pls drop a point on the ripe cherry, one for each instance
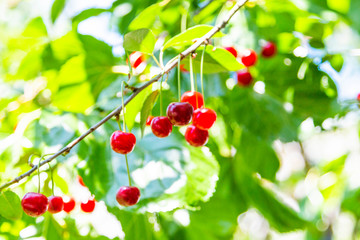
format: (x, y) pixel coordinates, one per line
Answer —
(136, 58)
(358, 97)
(268, 50)
(128, 196)
(204, 118)
(179, 113)
(148, 120)
(69, 204)
(122, 142)
(34, 204)
(232, 50)
(195, 136)
(248, 57)
(81, 181)
(244, 78)
(161, 127)
(191, 97)
(182, 68)
(89, 206)
(56, 204)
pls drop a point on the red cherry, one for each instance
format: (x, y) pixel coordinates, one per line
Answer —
(268, 50)
(179, 113)
(136, 58)
(192, 97)
(89, 206)
(148, 120)
(161, 127)
(244, 78)
(358, 97)
(204, 118)
(182, 68)
(34, 204)
(56, 204)
(80, 180)
(248, 57)
(195, 136)
(122, 142)
(128, 196)
(232, 50)
(69, 204)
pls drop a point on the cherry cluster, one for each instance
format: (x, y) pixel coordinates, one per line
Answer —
(248, 58)
(36, 204)
(189, 109)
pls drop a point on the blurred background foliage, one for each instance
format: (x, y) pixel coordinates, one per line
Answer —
(282, 160)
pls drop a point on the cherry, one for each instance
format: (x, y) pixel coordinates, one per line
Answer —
(191, 97)
(268, 50)
(69, 204)
(34, 204)
(148, 120)
(232, 50)
(81, 181)
(358, 97)
(248, 57)
(122, 142)
(128, 196)
(195, 136)
(89, 206)
(182, 68)
(179, 113)
(204, 118)
(56, 204)
(161, 127)
(244, 78)
(136, 58)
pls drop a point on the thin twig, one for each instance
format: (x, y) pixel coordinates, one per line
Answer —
(117, 111)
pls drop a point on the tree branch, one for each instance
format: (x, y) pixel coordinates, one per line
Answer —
(117, 111)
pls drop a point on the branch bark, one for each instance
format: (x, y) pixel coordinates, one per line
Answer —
(117, 111)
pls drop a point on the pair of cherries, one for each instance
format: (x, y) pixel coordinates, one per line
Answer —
(249, 58)
(181, 114)
(124, 143)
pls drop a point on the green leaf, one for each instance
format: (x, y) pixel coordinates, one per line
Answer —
(146, 18)
(56, 9)
(135, 106)
(215, 60)
(146, 109)
(92, 12)
(142, 40)
(52, 229)
(279, 215)
(187, 37)
(257, 155)
(10, 206)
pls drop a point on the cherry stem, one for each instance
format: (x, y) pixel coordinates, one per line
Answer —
(118, 121)
(156, 61)
(179, 86)
(123, 105)
(127, 168)
(52, 180)
(161, 102)
(196, 89)
(202, 73)
(129, 64)
(191, 72)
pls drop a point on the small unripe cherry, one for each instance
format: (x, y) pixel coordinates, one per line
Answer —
(204, 118)
(34, 204)
(195, 136)
(69, 204)
(232, 50)
(161, 127)
(196, 99)
(244, 78)
(88, 206)
(128, 196)
(248, 57)
(179, 113)
(56, 204)
(268, 50)
(122, 142)
(148, 120)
